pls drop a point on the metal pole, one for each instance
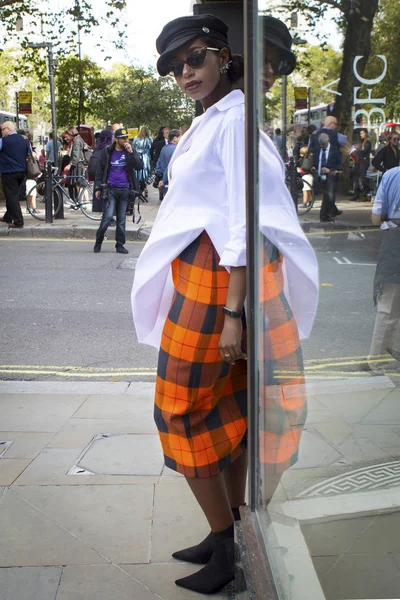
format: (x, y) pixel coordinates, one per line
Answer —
(284, 117)
(60, 214)
(48, 192)
(53, 101)
(17, 109)
(252, 216)
(309, 106)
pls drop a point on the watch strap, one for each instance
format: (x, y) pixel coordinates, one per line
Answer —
(232, 313)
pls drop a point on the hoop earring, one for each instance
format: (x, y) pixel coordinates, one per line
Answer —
(225, 68)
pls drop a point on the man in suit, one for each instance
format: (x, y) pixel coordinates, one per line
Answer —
(329, 128)
(13, 155)
(327, 163)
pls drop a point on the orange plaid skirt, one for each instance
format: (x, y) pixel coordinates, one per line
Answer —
(201, 401)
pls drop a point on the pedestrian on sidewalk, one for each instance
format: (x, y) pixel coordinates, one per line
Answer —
(142, 144)
(158, 144)
(50, 148)
(116, 179)
(387, 275)
(189, 292)
(363, 151)
(389, 156)
(327, 164)
(166, 154)
(13, 156)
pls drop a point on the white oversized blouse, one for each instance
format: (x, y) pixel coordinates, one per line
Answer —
(207, 192)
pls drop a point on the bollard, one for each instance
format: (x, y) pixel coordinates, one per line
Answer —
(48, 190)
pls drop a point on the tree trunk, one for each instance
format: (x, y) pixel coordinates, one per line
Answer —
(357, 42)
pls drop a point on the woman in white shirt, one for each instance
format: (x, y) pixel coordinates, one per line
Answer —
(190, 288)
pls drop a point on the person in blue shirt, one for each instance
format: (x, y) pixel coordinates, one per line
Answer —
(386, 210)
(50, 148)
(13, 155)
(164, 159)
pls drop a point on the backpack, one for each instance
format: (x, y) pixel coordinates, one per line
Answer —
(87, 154)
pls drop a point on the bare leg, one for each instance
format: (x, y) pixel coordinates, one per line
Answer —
(211, 494)
(235, 480)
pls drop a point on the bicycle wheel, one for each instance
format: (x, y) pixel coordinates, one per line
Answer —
(85, 200)
(38, 192)
(304, 209)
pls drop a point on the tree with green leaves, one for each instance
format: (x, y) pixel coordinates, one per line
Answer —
(81, 82)
(61, 27)
(140, 97)
(355, 18)
(315, 66)
(386, 42)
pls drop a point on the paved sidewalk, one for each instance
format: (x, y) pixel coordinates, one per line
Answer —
(87, 509)
(76, 225)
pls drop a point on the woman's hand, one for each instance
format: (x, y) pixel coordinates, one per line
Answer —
(230, 343)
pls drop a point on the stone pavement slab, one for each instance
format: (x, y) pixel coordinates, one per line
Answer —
(100, 583)
(115, 521)
(29, 538)
(178, 521)
(25, 444)
(29, 583)
(11, 469)
(35, 412)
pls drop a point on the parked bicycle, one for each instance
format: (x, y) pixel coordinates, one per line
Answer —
(60, 195)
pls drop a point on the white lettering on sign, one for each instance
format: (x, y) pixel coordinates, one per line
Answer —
(370, 81)
(369, 100)
(327, 87)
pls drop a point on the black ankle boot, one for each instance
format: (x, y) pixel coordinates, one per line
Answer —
(201, 553)
(220, 569)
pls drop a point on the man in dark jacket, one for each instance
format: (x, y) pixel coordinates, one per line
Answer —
(329, 128)
(327, 163)
(116, 179)
(13, 155)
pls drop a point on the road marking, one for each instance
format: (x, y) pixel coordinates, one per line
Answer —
(346, 261)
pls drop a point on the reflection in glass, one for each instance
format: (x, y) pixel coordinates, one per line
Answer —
(329, 406)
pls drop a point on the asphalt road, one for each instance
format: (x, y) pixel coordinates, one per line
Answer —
(66, 311)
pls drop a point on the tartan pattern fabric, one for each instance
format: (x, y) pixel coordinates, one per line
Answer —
(200, 401)
(283, 407)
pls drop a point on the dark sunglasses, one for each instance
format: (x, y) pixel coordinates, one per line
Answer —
(272, 56)
(194, 60)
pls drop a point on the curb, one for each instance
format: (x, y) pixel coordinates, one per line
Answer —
(63, 232)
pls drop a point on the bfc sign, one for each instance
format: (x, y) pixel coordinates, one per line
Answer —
(369, 100)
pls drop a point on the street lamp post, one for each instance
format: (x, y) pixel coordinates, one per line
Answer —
(49, 190)
(51, 64)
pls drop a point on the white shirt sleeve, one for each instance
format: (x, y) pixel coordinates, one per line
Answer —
(232, 154)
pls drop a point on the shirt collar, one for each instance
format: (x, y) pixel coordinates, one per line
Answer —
(234, 98)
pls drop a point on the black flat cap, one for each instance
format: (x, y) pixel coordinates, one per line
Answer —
(276, 33)
(180, 31)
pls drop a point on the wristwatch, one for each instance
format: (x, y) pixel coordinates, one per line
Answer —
(232, 313)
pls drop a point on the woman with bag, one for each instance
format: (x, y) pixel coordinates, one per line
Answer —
(363, 152)
(189, 292)
(304, 166)
(33, 171)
